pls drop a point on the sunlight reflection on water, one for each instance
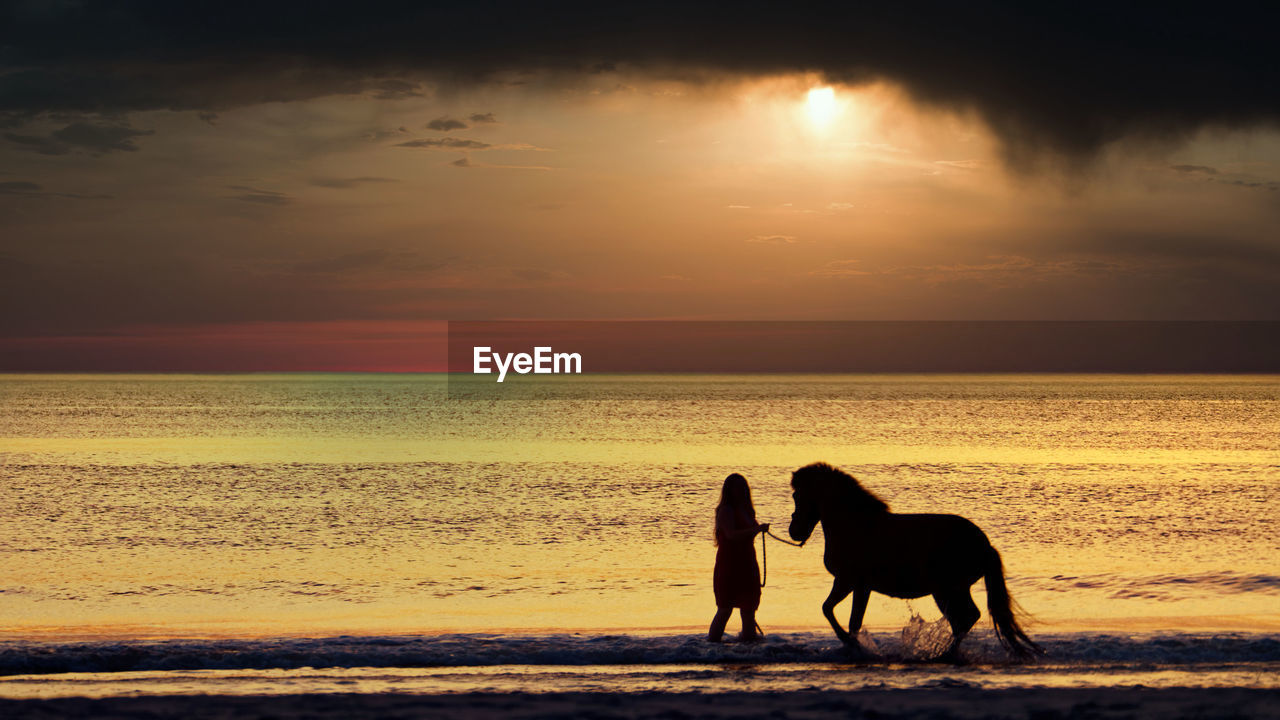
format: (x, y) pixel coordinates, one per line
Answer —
(262, 504)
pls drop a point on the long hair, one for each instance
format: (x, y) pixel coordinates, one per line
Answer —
(735, 496)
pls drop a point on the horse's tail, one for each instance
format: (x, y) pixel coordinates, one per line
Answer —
(1004, 609)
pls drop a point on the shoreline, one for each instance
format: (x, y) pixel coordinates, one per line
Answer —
(1235, 624)
(1065, 653)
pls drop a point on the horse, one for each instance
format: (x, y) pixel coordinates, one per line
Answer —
(869, 549)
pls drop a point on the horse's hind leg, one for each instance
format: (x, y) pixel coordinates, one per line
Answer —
(958, 607)
(839, 590)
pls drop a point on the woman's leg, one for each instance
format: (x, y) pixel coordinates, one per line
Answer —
(749, 624)
(718, 622)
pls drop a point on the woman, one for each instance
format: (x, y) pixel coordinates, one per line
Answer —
(737, 576)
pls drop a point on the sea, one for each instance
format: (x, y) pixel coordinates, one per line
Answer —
(284, 533)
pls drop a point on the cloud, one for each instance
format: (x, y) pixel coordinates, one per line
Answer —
(396, 89)
(1213, 175)
(12, 187)
(1262, 184)
(1048, 80)
(840, 268)
(879, 147)
(1190, 249)
(361, 261)
(520, 146)
(774, 239)
(261, 197)
(93, 138)
(483, 118)
(100, 138)
(538, 275)
(24, 188)
(959, 164)
(467, 162)
(994, 271)
(42, 145)
(997, 270)
(348, 183)
(375, 135)
(446, 144)
(445, 123)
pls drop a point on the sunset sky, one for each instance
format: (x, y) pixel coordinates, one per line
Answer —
(230, 186)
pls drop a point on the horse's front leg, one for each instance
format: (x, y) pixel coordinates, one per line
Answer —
(840, 589)
(861, 594)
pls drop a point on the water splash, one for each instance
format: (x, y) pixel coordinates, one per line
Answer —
(923, 640)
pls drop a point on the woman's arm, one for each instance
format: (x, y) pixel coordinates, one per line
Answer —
(724, 520)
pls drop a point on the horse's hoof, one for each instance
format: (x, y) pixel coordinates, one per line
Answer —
(857, 652)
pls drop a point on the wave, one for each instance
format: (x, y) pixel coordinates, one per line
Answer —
(464, 650)
(1162, 587)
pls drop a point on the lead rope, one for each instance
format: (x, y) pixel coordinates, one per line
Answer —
(764, 555)
(764, 552)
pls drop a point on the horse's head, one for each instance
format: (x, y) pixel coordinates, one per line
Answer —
(807, 487)
(819, 486)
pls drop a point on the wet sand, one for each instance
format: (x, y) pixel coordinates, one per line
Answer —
(1133, 703)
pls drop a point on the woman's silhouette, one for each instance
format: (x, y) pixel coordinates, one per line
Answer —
(737, 575)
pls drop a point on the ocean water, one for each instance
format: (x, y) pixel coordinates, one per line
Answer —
(228, 516)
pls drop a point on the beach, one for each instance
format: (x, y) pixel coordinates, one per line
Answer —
(960, 703)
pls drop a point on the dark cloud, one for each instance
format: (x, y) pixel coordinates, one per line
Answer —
(483, 118)
(1164, 248)
(1213, 175)
(462, 162)
(395, 89)
(376, 135)
(209, 117)
(100, 138)
(23, 188)
(445, 143)
(92, 138)
(261, 197)
(42, 145)
(445, 124)
(1063, 79)
(1261, 184)
(15, 187)
(348, 183)
(358, 261)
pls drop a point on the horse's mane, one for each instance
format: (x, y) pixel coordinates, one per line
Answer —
(843, 485)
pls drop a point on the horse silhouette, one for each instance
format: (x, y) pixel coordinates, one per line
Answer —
(907, 556)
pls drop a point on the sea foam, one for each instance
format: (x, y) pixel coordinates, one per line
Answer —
(464, 650)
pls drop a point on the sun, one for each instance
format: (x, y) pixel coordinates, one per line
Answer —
(822, 106)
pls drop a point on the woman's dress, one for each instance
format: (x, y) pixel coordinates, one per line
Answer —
(737, 575)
